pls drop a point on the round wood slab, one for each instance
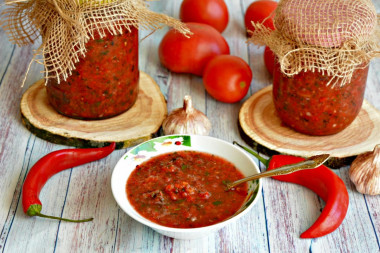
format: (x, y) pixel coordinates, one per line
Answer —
(259, 120)
(136, 125)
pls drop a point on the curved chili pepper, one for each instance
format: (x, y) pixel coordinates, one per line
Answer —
(48, 166)
(321, 180)
(326, 184)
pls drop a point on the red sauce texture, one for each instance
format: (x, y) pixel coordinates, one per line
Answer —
(185, 189)
(307, 104)
(104, 82)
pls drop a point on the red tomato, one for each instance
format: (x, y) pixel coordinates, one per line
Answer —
(227, 78)
(269, 58)
(211, 12)
(258, 11)
(190, 55)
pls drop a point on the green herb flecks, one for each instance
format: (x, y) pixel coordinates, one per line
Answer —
(217, 203)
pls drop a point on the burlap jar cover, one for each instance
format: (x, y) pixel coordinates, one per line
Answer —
(89, 50)
(66, 25)
(334, 37)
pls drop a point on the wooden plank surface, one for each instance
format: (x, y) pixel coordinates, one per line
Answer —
(281, 214)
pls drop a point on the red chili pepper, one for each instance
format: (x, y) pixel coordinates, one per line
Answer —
(321, 180)
(48, 166)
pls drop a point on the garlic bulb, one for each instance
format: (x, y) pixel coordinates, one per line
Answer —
(365, 172)
(186, 120)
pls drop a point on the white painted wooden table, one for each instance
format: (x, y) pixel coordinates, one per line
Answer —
(273, 225)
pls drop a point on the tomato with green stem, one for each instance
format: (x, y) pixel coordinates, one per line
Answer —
(227, 78)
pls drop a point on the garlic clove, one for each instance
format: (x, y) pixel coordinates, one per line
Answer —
(365, 172)
(186, 120)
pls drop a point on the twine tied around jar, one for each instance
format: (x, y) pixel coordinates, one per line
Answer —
(333, 37)
(66, 25)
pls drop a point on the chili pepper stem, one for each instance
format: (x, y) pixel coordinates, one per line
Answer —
(255, 154)
(35, 210)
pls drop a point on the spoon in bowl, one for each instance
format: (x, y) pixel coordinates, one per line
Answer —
(310, 163)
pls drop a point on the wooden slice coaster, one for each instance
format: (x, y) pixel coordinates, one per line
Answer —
(136, 125)
(259, 120)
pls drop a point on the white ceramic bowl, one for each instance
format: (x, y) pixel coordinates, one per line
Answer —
(166, 144)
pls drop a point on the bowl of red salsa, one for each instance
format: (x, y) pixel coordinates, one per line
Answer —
(176, 184)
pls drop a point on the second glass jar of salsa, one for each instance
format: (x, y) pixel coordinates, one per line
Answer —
(309, 105)
(104, 82)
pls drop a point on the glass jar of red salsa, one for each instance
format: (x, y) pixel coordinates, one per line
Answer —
(104, 82)
(306, 103)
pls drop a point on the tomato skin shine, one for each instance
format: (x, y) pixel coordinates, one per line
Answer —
(190, 55)
(260, 11)
(104, 83)
(307, 104)
(227, 78)
(211, 12)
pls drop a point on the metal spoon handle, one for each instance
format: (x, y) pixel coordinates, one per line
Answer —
(310, 163)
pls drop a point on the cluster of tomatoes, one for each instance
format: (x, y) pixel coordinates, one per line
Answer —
(206, 53)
